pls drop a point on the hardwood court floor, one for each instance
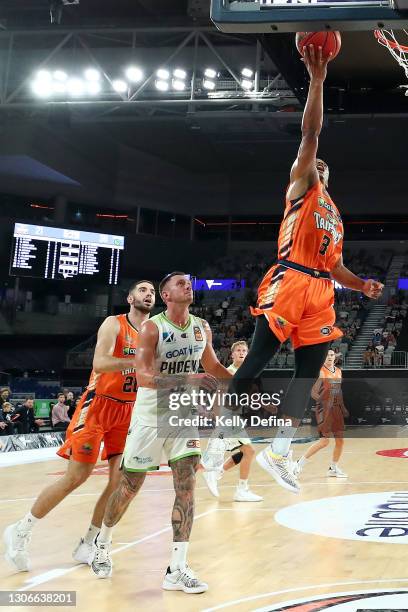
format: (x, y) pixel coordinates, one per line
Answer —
(250, 561)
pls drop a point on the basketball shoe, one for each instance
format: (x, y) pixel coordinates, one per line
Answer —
(183, 580)
(102, 563)
(336, 472)
(280, 468)
(84, 552)
(244, 494)
(211, 480)
(17, 541)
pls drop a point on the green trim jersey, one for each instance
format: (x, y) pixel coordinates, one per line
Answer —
(179, 351)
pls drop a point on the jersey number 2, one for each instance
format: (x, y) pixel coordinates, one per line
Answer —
(130, 385)
(325, 245)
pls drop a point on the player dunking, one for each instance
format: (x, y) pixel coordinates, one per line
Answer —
(296, 296)
(103, 414)
(330, 413)
(245, 452)
(171, 347)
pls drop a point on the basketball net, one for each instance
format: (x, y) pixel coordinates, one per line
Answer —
(399, 52)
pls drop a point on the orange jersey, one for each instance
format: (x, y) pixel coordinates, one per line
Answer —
(330, 388)
(311, 233)
(120, 385)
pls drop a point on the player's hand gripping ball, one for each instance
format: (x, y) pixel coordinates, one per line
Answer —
(330, 42)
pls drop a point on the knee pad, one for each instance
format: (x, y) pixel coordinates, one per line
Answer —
(237, 457)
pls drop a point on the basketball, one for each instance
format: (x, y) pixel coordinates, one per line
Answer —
(330, 42)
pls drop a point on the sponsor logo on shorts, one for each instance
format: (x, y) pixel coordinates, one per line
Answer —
(197, 334)
(281, 321)
(366, 517)
(193, 444)
(86, 448)
(143, 460)
(327, 330)
(129, 350)
(366, 600)
(168, 337)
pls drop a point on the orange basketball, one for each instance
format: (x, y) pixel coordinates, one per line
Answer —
(330, 42)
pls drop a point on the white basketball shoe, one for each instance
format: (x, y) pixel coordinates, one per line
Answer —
(183, 580)
(279, 467)
(16, 541)
(102, 563)
(211, 480)
(84, 552)
(336, 472)
(244, 494)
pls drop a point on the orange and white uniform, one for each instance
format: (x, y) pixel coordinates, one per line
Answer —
(299, 303)
(105, 409)
(330, 406)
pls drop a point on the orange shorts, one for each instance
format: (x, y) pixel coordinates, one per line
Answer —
(96, 419)
(330, 420)
(297, 306)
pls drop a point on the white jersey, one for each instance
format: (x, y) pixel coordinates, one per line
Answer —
(178, 351)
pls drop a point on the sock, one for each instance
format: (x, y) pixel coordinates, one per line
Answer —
(243, 484)
(282, 441)
(302, 461)
(178, 556)
(105, 534)
(91, 534)
(28, 522)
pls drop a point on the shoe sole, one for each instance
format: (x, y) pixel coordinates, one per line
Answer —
(99, 575)
(212, 492)
(175, 587)
(7, 543)
(265, 466)
(335, 476)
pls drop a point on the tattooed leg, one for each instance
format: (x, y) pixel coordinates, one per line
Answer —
(120, 499)
(184, 484)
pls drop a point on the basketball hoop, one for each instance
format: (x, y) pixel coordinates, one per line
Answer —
(399, 52)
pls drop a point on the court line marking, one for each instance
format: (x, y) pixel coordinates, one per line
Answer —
(58, 572)
(304, 588)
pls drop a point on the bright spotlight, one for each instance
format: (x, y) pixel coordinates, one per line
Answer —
(43, 76)
(42, 89)
(134, 74)
(163, 74)
(179, 85)
(75, 87)
(179, 73)
(120, 86)
(247, 84)
(210, 73)
(93, 88)
(162, 85)
(92, 75)
(247, 73)
(58, 87)
(60, 75)
(207, 84)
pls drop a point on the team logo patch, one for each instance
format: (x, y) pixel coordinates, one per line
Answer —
(197, 334)
(193, 443)
(143, 460)
(366, 517)
(327, 330)
(366, 600)
(128, 350)
(400, 453)
(86, 448)
(281, 321)
(168, 337)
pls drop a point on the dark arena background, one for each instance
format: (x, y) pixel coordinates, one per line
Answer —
(147, 136)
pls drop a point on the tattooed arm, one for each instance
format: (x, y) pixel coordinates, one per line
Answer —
(183, 510)
(120, 499)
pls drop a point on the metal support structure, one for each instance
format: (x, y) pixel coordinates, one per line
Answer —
(194, 75)
(8, 65)
(220, 58)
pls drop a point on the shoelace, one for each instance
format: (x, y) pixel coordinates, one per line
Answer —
(188, 578)
(102, 555)
(284, 469)
(23, 539)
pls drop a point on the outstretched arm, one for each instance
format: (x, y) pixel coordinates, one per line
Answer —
(304, 174)
(345, 277)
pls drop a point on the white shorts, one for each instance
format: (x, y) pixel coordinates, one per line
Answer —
(233, 443)
(144, 449)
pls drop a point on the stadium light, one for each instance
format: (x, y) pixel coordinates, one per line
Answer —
(247, 84)
(43, 76)
(134, 74)
(120, 86)
(210, 73)
(92, 75)
(93, 88)
(208, 84)
(60, 76)
(75, 87)
(179, 73)
(58, 87)
(178, 85)
(247, 73)
(163, 74)
(42, 89)
(162, 85)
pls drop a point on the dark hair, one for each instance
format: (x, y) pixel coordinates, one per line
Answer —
(61, 393)
(164, 280)
(134, 285)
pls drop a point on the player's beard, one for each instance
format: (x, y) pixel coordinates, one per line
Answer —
(141, 307)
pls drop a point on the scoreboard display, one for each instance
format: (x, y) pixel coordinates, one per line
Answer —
(308, 15)
(60, 254)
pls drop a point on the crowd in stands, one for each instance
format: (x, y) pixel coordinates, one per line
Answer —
(385, 337)
(19, 417)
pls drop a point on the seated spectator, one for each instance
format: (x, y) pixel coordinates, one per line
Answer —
(225, 305)
(7, 414)
(70, 402)
(392, 341)
(379, 352)
(59, 415)
(6, 426)
(33, 424)
(4, 395)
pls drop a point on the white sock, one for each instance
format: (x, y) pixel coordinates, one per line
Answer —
(302, 461)
(28, 522)
(282, 441)
(243, 484)
(105, 534)
(91, 534)
(178, 556)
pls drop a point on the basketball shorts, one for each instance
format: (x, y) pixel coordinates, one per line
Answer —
(232, 444)
(96, 419)
(330, 420)
(144, 448)
(297, 306)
